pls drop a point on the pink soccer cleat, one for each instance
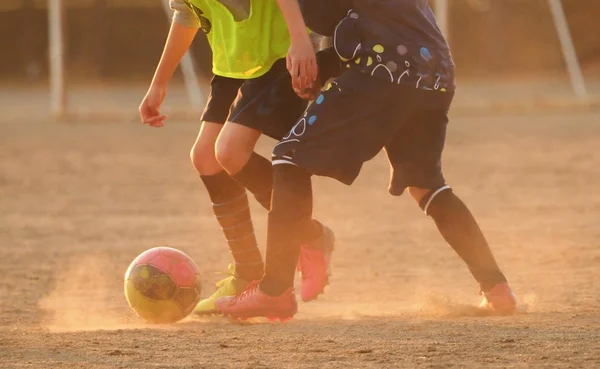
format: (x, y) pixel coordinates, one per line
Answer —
(255, 303)
(500, 300)
(314, 265)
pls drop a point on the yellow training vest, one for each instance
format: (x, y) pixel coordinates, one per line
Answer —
(248, 48)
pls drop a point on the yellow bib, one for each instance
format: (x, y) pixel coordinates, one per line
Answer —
(248, 48)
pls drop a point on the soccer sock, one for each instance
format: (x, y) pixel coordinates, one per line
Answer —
(289, 226)
(230, 205)
(460, 229)
(257, 177)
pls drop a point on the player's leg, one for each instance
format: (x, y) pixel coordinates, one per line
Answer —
(330, 140)
(230, 203)
(314, 261)
(264, 105)
(235, 153)
(459, 228)
(269, 105)
(290, 226)
(202, 153)
(415, 154)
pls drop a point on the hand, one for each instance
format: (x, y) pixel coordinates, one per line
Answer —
(149, 108)
(309, 93)
(302, 63)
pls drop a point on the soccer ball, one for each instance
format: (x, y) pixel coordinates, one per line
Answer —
(162, 285)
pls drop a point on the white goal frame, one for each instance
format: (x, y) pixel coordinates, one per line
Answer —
(564, 35)
(58, 89)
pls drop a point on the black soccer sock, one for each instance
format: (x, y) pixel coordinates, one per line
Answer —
(230, 205)
(460, 229)
(257, 177)
(289, 226)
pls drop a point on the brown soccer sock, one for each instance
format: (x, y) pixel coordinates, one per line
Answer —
(230, 205)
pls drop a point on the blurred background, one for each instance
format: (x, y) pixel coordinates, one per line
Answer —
(111, 45)
(79, 200)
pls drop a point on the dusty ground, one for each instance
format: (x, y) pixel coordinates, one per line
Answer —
(79, 202)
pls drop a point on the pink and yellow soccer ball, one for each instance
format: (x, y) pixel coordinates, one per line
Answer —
(162, 285)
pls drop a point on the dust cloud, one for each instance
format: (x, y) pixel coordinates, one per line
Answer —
(84, 298)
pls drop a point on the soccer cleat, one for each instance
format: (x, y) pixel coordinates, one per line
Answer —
(314, 265)
(500, 300)
(255, 303)
(229, 286)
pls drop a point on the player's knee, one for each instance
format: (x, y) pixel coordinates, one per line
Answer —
(235, 145)
(202, 154)
(425, 197)
(231, 155)
(418, 193)
(203, 159)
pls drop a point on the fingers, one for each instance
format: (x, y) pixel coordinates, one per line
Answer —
(306, 96)
(294, 74)
(308, 93)
(147, 111)
(155, 121)
(296, 83)
(150, 115)
(303, 94)
(288, 65)
(314, 70)
(303, 76)
(309, 72)
(302, 66)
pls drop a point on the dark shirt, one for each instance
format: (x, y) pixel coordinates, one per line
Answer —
(397, 40)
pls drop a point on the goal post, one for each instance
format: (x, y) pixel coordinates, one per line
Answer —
(441, 11)
(561, 25)
(568, 49)
(58, 89)
(56, 56)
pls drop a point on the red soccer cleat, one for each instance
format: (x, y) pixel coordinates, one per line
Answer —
(500, 300)
(314, 265)
(255, 303)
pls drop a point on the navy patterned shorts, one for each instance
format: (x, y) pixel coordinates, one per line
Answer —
(359, 115)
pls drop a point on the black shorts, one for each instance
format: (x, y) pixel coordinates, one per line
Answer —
(350, 122)
(266, 103)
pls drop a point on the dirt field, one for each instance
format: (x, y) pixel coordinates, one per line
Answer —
(79, 202)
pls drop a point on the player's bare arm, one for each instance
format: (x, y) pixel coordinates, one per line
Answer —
(301, 60)
(178, 42)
